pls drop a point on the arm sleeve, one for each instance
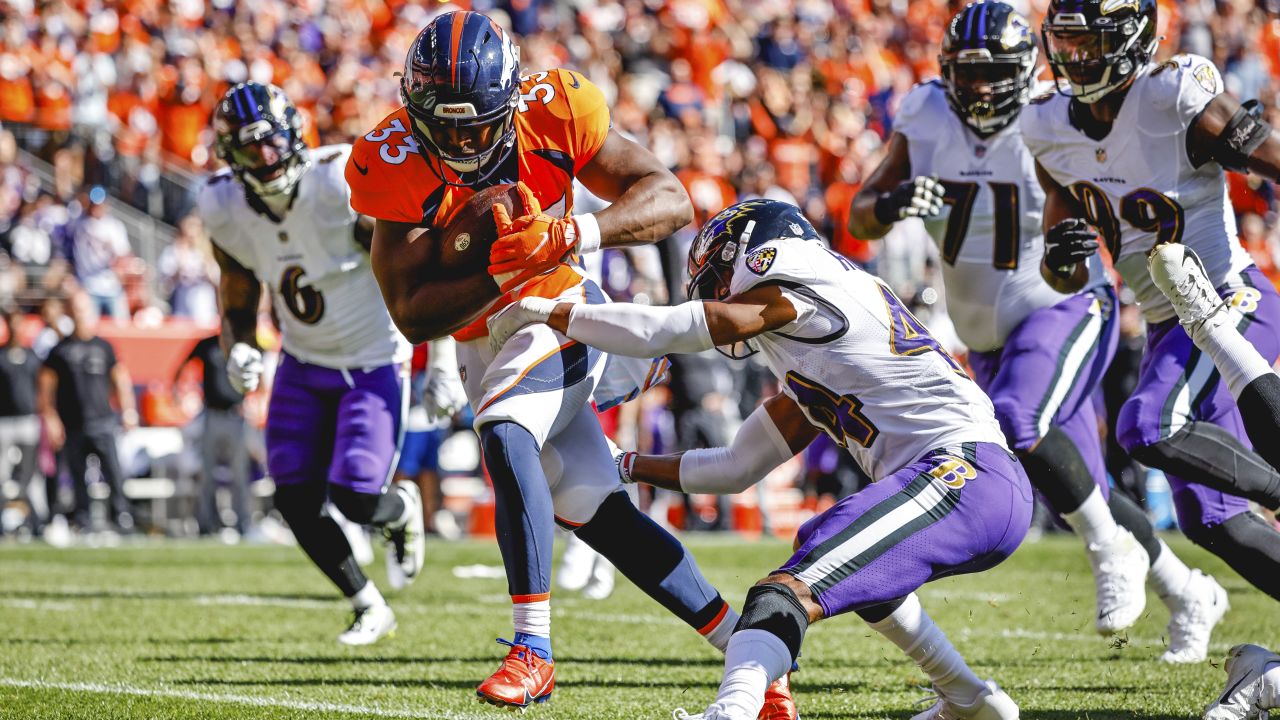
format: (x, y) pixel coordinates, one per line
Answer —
(756, 450)
(641, 331)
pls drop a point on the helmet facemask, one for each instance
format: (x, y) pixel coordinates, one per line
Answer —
(987, 91)
(266, 161)
(1095, 60)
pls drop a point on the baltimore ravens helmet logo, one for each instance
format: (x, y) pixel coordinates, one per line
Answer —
(1110, 6)
(759, 261)
(1015, 33)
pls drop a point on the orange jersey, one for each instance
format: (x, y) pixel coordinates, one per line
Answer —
(561, 122)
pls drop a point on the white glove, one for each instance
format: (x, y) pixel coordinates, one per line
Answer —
(444, 394)
(921, 197)
(244, 367)
(509, 320)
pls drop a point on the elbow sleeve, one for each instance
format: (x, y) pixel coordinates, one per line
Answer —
(756, 450)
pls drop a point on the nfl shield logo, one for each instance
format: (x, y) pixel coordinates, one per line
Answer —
(980, 151)
(1100, 154)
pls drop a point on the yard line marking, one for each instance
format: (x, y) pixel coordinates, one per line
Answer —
(264, 601)
(256, 701)
(42, 605)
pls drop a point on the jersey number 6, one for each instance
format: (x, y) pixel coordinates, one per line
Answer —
(304, 302)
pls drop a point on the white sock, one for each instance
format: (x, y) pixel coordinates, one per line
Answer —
(1237, 359)
(1270, 696)
(754, 660)
(720, 633)
(532, 618)
(1169, 575)
(1092, 521)
(367, 597)
(913, 631)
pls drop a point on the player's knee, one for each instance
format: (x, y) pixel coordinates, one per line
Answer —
(1156, 454)
(1129, 429)
(361, 469)
(300, 503)
(774, 607)
(355, 506)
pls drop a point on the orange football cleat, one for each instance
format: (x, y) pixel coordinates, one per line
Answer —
(521, 680)
(778, 703)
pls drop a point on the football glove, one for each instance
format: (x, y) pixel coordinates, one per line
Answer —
(1067, 244)
(921, 197)
(529, 245)
(244, 367)
(444, 394)
(508, 321)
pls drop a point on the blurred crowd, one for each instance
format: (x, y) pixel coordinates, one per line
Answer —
(787, 99)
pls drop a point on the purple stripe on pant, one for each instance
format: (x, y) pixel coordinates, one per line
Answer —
(1061, 351)
(954, 511)
(334, 425)
(1178, 384)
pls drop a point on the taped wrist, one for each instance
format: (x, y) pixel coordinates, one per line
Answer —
(443, 355)
(641, 331)
(1244, 133)
(756, 450)
(775, 609)
(588, 233)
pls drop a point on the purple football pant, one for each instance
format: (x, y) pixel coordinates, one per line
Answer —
(341, 425)
(1047, 371)
(1178, 384)
(956, 510)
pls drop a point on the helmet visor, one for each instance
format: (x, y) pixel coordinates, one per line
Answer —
(462, 143)
(1082, 55)
(984, 78)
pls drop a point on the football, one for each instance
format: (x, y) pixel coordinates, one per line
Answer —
(459, 258)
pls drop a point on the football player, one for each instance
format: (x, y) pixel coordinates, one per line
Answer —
(956, 159)
(279, 213)
(470, 121)
(1133, 152)
(853, 362)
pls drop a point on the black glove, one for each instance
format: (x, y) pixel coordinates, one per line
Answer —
(1068, 243)
(920, 197)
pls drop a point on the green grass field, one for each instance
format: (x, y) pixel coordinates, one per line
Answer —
(186, 630)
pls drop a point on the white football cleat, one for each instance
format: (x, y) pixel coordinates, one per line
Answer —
(992, 704)
(370, 625)
(1249, 693)
(1120, 572)
(406, 543)
(600, 586)
(1178, 272)
(1193, 614)
(715, 712)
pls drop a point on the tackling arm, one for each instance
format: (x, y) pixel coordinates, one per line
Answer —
(423, 307)
(1233, 135)
(892, 171)
(645, 331)
(239, 292)
(771, 435)
(648, 202)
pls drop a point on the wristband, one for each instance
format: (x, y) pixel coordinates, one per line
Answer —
(626, 462)
(588, 233)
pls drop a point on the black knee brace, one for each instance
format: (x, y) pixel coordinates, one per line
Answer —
(302, 506)
(1205, 453)
(1058, 470)
(366, 508)
(774, 608)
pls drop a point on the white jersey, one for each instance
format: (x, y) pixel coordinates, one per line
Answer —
(989, 235)
(862, 367)
(326, 299)
(1137, 185)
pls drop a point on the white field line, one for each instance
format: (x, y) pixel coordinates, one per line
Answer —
(41, 605)
(253, 700)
